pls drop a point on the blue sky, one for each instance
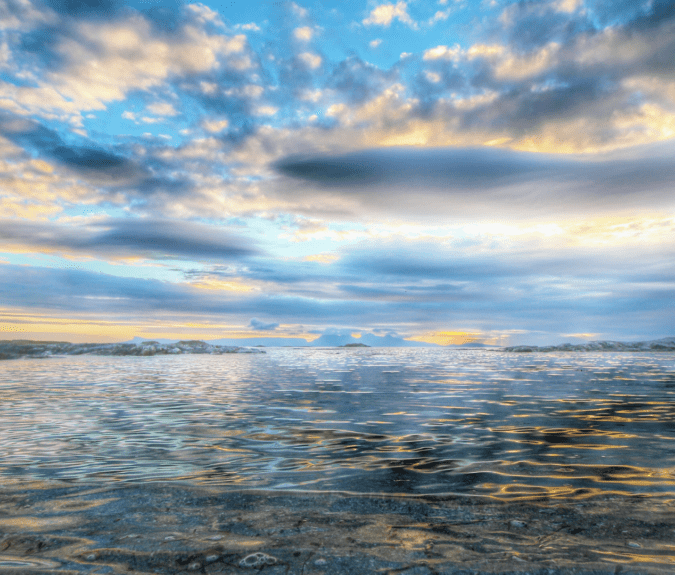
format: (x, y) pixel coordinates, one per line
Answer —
(443, 171)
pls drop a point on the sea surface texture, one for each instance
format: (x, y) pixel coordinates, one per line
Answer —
(367, 421)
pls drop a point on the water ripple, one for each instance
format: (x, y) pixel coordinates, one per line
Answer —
(364, 420)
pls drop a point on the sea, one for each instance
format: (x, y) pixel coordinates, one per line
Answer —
(371, 420)
(298, 461)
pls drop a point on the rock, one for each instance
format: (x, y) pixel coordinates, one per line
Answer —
(14, 349)
(256, 560)
(665, 344)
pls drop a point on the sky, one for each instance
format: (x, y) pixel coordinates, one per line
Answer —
(442, 171)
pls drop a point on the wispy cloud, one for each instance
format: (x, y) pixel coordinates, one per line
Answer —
(124, 238)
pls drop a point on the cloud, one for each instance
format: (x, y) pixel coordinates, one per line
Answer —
(439, 16)
(385, 14)
(86, 159)
(258, 325)
(162, 109)
(294, 126)
(86, 8)
(395, 284)
(133, 237)
(114, 298)
(112, 51)
(215, 125)
(485, 181)
(303, 33)
(358, 81)
(310, 60)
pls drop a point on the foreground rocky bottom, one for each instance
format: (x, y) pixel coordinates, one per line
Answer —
(175, 528)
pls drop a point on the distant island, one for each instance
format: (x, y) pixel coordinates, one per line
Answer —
(18, 348)
(665, 344)
(354, 345)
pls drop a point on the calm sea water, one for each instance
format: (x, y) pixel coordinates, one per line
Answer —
(409, 421)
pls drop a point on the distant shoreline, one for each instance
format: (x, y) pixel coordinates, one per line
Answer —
(664, 344)
(16, 349)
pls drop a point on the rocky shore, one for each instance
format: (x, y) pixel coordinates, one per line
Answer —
(18, 348)
(665, 344)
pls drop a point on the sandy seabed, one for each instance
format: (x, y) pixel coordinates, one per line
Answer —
(174, 527)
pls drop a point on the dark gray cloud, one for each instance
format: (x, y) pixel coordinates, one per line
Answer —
(165, 17)
(484, 181)
(358, 81)
(151, 238)
(41, 44)
(619, 12)
(86, 8)
(534, 23)
(87, 159)
(523, 111)
(445, 167)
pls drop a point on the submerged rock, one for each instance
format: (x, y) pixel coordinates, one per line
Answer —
(257, 560)
(17, 348)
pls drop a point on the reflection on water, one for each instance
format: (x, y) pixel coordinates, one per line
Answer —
(409, 421)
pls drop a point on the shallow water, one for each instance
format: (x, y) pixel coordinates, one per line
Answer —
(397, 421)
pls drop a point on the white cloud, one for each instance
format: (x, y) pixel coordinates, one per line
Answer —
(488, 51)
(265, 111)
(304, 34)
(162, 109)
(298, 10)
(375, 43)
(205, 14)
(520, 67)
(441, 15)
(567, 6)
(312, 61)
(22, 15)
(251, 26)
(335, 110)
(442, 53)
(385, 14)
(310, 95)
(5, 55)
(214, 126)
